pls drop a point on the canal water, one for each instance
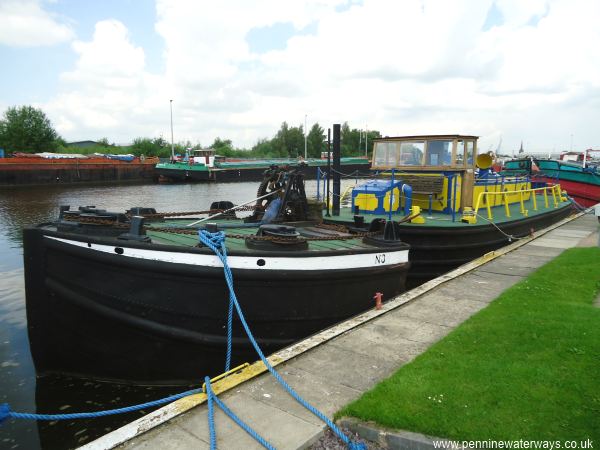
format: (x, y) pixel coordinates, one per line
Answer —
(19, 385)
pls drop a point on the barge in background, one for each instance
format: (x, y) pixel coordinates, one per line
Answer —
(205, 165)
(110, 296)
(56, 168)
(466, 210)
(576, 173)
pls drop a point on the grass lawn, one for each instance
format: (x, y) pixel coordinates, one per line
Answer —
(525, 367)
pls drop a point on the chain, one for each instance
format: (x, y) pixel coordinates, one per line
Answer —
(341, 228)
(96, 221)
(195, 213)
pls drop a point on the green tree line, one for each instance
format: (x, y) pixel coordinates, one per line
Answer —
(27, 129)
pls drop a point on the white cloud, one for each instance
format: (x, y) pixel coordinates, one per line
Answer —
(109, 91)
(24, 23)
(400, 67)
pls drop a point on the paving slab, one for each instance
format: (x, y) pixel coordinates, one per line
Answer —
(370, 341)
(350, 368)
(280, 428)
(174, 438)
(537, 251)
(312, 387)
(593, 240)
(555, 242)
(571, 232)
(338, 371)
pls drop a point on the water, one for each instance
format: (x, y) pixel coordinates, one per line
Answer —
(19, 385)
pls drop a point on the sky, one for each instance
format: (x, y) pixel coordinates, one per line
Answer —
(509, 71)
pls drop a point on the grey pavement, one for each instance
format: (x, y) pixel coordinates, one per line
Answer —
(337, 372)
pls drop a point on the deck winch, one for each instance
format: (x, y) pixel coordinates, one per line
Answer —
(276, 237)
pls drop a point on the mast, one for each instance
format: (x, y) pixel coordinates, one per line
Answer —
(172, 142)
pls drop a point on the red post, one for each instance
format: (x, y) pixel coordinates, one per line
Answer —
(378, 297)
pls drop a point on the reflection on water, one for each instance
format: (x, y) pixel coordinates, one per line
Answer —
(18, 384)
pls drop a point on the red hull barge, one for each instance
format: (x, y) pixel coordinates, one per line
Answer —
(585, 194)
(33, 170)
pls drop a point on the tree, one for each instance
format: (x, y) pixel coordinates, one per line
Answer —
(289, 141)
(149, 147)
(263, 149)
(315, 141)
(223, 146)
(104, 142)
(350, 140)
(27, 129)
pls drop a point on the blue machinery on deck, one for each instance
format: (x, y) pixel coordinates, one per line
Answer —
(216, 242)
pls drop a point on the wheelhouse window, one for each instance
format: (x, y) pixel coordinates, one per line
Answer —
(460, 153)
(470, 152)
(435, 153)
(386, 154)
(439, 153)
(411, 153)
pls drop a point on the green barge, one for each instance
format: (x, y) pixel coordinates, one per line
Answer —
(205, 165)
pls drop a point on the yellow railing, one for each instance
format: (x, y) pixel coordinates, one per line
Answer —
(554, 190)
(342, 197)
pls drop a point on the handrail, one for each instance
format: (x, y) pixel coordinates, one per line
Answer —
(555, 191)
(342, 197)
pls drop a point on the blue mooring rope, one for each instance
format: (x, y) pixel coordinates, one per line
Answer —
(7, 413)
(216, 242)
(212, 397)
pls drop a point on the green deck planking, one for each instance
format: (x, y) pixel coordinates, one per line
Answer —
(191, 240)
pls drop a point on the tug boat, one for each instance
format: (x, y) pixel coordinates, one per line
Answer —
(135, 297)
(461, 208)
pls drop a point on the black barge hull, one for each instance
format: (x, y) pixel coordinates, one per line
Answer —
(436, 250)
(244, 174)
(109, 316)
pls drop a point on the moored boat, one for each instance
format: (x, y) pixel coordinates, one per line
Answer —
(577, 174)
(135, 297)
(55, 168)
(205, 165)
(467, 210)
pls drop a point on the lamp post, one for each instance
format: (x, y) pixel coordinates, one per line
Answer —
(172, 142)
(571, 142)
(305, 146)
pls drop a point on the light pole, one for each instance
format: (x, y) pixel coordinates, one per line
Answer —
(305, 147)
(366, 139)
(172, 142)
(359, 140)
(571, 142)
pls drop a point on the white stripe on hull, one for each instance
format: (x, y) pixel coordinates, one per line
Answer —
(316, 262)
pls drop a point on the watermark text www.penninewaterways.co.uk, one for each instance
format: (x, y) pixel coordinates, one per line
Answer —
(514, 444)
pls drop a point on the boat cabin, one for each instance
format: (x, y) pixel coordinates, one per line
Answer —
(204, 156)
(435, 153)
(439, 168)
(437, 173)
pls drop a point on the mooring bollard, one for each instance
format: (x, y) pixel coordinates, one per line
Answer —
(377, 297)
